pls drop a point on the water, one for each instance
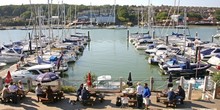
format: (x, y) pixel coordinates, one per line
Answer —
(110, 53)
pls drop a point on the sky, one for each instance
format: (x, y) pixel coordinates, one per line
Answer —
(203, 3)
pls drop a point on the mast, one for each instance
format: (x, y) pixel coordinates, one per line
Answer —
(114, 11)
(90, 14)
(75, 20)
(149, 17)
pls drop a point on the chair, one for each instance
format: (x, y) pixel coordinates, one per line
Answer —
(124, 102)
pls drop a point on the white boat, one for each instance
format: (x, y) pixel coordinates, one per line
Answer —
(160, 49)
(2, 65)
(31, 72)
(217, 35)
(214, 60)
(105, 82)
(9, 59)
(208, 53)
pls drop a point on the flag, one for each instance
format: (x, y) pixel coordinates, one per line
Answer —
(59, 61)
(89, 80)
(8, 78)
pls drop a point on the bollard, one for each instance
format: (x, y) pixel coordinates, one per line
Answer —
(214, 92)
(128, 34)
(1, 83)
(205, 84)
(182, 81)
(59, 85)
(120, 83)
(167, 40)
(212, 38)
(153, 34)
(29, 84)
(151, 83)
(89, 36)
(189, 91)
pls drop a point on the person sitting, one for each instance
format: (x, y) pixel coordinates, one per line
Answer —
(6, 94)
(49, 93)
(79, 91)
(21, 90)
(170, 95)
(13, 88)
(180, 94)
(85, 95)
(124, 101)
(39, 92)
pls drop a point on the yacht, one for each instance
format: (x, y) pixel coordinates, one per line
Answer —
(160, 49)
(209, 52)
(2, 65)
(214, 60)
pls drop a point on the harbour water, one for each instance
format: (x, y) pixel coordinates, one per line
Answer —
(109, 52)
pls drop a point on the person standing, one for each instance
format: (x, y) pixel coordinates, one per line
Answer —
(146, 95)
(139, 93)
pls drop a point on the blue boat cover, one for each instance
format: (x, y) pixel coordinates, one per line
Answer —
(53, 58)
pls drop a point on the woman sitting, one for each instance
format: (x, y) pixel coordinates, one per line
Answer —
(39, 92)
(49, 94)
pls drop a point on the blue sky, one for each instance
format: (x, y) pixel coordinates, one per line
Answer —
(207, 3)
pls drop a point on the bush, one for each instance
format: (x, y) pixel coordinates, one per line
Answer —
(216, 77)
(68, 89)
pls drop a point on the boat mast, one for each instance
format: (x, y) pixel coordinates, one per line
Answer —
(114, 12)
(149, 16)
(75, 20)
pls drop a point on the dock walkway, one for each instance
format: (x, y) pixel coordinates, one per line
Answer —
(109, 103)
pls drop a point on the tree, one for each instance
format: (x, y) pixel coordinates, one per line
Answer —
(217, 14)
(216, 77)
(123, 15)
(161, 16)
(26, 15)
(194, 15)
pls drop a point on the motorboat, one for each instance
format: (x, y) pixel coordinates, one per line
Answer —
(9, 59)
(142, 44)
(31, 72)
(2, 65)
(214, 60)
(105, 82)
(209, 52)
(188, 69)
(160, 49)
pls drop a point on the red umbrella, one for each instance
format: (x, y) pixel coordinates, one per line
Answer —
(8, 78)
(89, 80)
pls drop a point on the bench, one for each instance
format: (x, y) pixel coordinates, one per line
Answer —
(169, 103)
(45, 100)
(132, 103)
(88, 102)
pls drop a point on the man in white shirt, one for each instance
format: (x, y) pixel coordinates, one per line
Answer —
(139, 93)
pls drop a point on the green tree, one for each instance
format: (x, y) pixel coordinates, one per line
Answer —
(194, 15)
(216, 77)
(217, 14)
(26, 15)
(122, 14)
(161, 16)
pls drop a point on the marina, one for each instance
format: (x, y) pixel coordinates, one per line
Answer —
(54, 56)
(110, 53)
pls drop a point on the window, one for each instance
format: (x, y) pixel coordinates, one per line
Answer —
(217, 51)
(45, 70)
(34, 72)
